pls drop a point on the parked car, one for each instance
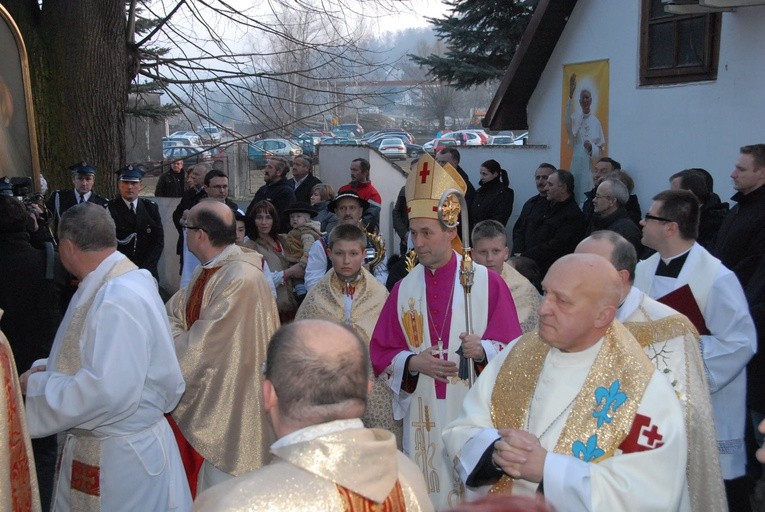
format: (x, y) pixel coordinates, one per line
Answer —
(502, 140)
(170, 143)
(354, 128)
(413, 150)
(183, 140)
(392, 147)
(306, 143)
(281, 147)
(192, 138)
(404, 136)
(442, 143)
(470, 137)
(189, 154)
(257, 156)
(338, 140)
(209, 132)
(346, 134)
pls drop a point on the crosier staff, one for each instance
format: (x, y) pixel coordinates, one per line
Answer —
(451, 208)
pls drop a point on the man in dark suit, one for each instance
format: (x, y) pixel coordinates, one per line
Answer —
(303, 180)
(139, 227)
(83, 177)
(195, 180)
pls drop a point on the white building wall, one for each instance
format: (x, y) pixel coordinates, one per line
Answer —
(656, 131)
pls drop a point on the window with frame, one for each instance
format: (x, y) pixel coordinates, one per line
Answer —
(676, 48)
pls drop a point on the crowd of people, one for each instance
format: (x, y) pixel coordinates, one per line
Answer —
(598, 358)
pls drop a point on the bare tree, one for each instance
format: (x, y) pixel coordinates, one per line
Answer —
(439, 99)
(86, 55)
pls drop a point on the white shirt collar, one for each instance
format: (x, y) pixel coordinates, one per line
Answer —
(314, 431)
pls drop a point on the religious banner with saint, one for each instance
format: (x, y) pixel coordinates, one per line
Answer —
(584, 126)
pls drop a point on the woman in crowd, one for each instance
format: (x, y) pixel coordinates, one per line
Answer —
(265, 239)
(350, 295)
(494, 199)
(321, 195)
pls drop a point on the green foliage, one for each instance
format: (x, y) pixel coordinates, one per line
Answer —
(152, 112)
(481, 37)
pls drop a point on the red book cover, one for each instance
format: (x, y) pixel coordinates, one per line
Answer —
(683, 301)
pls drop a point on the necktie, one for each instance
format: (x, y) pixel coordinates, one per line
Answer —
(132, 208)
(82, 198)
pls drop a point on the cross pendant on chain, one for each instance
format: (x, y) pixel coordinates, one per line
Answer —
(439, 352)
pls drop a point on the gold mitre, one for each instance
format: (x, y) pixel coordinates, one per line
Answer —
(427, 183)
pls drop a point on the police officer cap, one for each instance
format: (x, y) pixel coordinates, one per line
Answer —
(131, 173)
(82, 168)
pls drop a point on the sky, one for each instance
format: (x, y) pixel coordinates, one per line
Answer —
(415, 18)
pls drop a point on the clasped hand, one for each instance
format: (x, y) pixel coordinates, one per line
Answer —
(430, 364)
(520, 455)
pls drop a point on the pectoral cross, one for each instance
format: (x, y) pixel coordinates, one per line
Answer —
(440, 351)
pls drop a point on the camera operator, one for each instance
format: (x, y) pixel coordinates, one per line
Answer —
(37, 214)
(32, 281)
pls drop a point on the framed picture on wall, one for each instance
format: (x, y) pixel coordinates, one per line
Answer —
(18, 137)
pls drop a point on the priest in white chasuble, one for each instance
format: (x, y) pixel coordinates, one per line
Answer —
(576, 410)
(671, 342)
(349, 294)
(421, 336)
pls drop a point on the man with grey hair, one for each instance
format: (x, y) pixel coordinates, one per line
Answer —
(315, 392)
(111, 375)
(574, 408)
(610, 212)
(672, 344)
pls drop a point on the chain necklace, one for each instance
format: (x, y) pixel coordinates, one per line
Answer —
(440, 351)
(554, 421)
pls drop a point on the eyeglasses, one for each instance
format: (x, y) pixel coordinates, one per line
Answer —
(598, 196)
(196, 227)
(648, 216)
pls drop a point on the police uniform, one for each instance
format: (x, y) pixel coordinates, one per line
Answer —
(61, 200)
(140, 236)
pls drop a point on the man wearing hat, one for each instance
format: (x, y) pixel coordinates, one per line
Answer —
(349, 208)
(83, 177)
(415, 344)
(140, 235)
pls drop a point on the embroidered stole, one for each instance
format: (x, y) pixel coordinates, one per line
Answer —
(698, 272)
(603, 410)
(86, 456)
(17, 476)
(194, 304)
(353, 502)
(192, 460)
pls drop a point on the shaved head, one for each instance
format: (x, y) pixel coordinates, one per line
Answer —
(319, 371)
(582, 292)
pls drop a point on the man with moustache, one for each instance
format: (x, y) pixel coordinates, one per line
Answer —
(277, 190)
(349, 208)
